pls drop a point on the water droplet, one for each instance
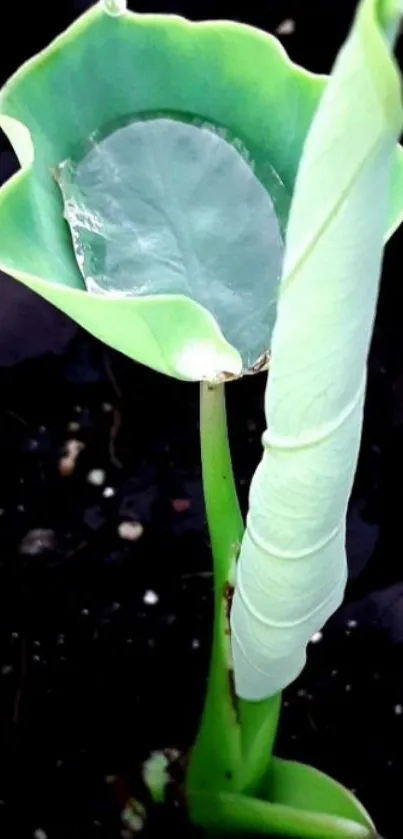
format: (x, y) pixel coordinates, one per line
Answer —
(114, 7)
(151, 598)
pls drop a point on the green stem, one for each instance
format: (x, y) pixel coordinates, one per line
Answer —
(216, 757)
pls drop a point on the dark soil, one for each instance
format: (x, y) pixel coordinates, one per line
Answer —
(104, 641)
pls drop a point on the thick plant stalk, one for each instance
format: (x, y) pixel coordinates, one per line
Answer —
(235, 740)
(292, 567)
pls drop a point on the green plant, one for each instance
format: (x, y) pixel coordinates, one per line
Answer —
(226, 114)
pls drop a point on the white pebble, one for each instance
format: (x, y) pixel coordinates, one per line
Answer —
(108, 492)
(39, 834)
(398, 710)
(347, 688)
(287, 27)
(96, 477)
(316, 637)
(352, 624)
(85, 612)
(131, 530)
(150, 598)
(195, 644)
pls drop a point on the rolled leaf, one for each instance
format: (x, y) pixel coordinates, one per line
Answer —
(292, 568)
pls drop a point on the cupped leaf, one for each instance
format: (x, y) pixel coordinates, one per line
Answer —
(234, 815)
(163, 206)
(222, 73)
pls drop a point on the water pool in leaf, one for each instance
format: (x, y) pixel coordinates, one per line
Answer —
(169, 205)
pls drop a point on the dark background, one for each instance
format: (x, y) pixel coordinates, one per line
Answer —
(92, 677)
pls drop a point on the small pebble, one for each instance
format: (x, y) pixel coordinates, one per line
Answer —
(107, 407)
(39, 834)
(195, 644)
(108, 492)
(38, 541)
(96, 477)
(180, 505)
(352, 624)
(67, 463)
(287, 27)
(150, 597)
(130, 530)
(316, 637)
(347, 688)
(134, 815)
(36, 658)
(398, 710)
(85, 612)
(15, 636)
(20, 508)
(73, 427)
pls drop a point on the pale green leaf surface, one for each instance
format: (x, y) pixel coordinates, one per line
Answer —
(163, 205)
(292, 567)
